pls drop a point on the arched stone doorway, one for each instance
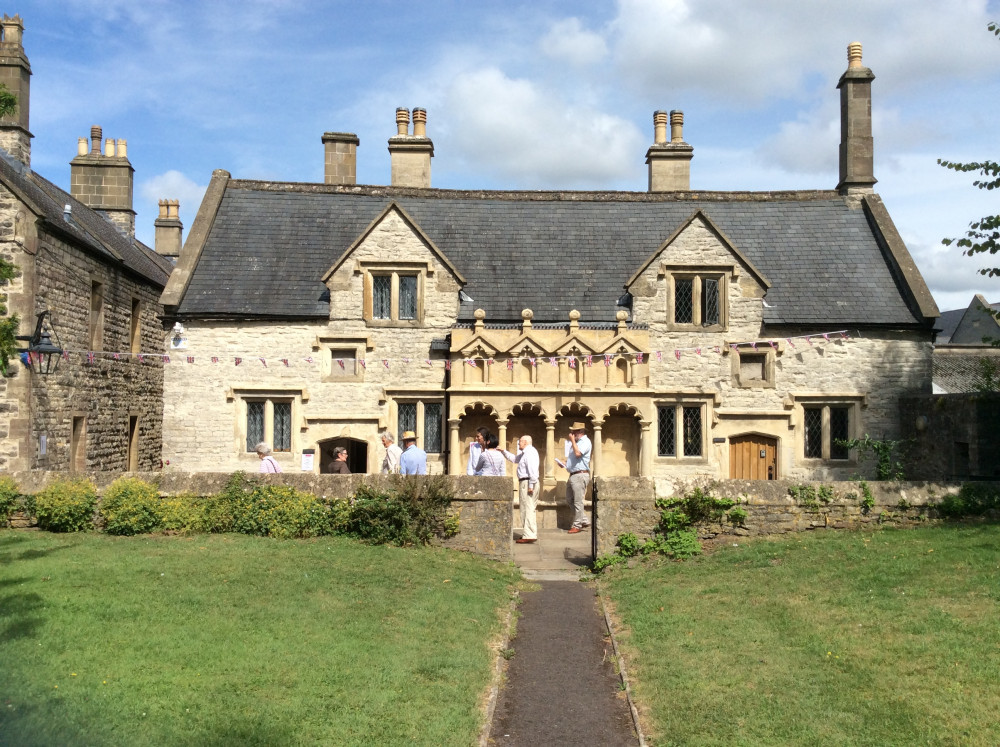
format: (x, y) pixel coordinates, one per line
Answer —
(621, 442)
(474, 416)
(567, 416)
(357, 454)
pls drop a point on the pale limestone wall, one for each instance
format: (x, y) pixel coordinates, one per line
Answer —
(204, 414)
(15, 388)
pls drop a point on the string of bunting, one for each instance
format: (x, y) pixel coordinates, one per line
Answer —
(573, 361)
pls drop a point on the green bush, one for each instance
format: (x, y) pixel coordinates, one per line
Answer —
(66, 506)
(973, 499)
(222, 509)
(408, 512)
(183, 514)
(131, 506)
(286, 513)
(10, 499)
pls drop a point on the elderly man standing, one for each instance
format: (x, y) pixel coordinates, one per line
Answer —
(390, 464)
(414, 459)
(527, 487)
(578, 450)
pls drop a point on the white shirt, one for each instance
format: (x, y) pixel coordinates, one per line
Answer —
(475, 451)
(390, 465)
(491, 462)
(527, 462)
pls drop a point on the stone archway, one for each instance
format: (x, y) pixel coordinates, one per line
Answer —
(526, 419)
(621, 442)
(474, 416)
(357, 454)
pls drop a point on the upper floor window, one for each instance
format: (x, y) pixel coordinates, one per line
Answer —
(393, 296)
(697, 300)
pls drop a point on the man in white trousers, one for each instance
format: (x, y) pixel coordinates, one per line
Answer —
(527, 462)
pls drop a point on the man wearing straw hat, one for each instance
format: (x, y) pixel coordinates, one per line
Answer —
(578, 449)
(413, 460)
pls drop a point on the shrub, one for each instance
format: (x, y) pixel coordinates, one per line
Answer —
(287, 513)
(66, 506)
(131, 506)
(738, 516)
(408, 512)
(222, 509)
(183, 514)
(10, 498)
(972, 499)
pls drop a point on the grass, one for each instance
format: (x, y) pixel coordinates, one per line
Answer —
(225, 639)
(831, 638)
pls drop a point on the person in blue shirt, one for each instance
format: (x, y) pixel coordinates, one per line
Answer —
(578, 450)
(413, 461)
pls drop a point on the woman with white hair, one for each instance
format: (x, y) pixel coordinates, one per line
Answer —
(267, 462)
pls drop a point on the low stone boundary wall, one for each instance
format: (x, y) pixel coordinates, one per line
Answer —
(483, 504)
(628, 504)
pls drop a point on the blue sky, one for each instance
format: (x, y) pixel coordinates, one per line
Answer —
(529, 95)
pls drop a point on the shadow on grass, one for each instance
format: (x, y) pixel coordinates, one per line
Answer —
(19, 613)
(9, 542)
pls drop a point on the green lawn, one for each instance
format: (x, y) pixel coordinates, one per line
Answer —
(226, 639)
(830, 638)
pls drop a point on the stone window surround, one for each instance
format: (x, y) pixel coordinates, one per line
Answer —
(369, 269)
(240, 395)
(328, 345)
(135, 326)
(97, 308)
(724, 273)
(743, 349)
(678, 403)
(854, 402)
(419, 400)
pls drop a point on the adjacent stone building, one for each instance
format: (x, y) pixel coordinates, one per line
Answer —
(92, 287)
(721, 334)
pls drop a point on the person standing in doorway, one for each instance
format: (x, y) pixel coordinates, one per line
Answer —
(339, 464)
(527, 487)
(476, 450)
(578, 450)
(390, 464)
(414, 459)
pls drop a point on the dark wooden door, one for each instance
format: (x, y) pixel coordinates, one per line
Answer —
(753, 457)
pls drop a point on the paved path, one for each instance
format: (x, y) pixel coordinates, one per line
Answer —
(561, 687)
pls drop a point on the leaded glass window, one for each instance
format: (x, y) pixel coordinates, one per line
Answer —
(709, 301)
(432, 427)
(407, 296)
(839, 431)
(407, 417)
(666, 441)
(282, 426)
(382, 296)
(692, 431)
(813, 417)
(255, 424)
(683, 300)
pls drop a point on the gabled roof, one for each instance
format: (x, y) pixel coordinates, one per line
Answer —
(829, 260)
(86, 228)
(970, 325)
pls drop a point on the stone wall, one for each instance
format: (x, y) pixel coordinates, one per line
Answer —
(628, 505)
(483, 504)
(951, 436)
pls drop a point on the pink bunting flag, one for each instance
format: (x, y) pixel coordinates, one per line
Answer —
(309, 359)
(533, 361)
(809, 340)
(733, 346)
(65, 355)
(639, 357)
(659, 356)
(789, 341)
(141, 358)
(774, 345)
(589, 360)
(698, 351)
(361, 362)
(826, 337)
(472, 362)
(447, 365)
(490, 361)
(553, 360)
(239, 361)
(263, 362)
(571, 361)
(285, 361)
(677, 354)
(340, 363)
(190, 359)
(510, 364)
(428, 361)
(215, 359)
(166, 359)
(116, 357)
(385, 362)
(608, 359)
(754, 345)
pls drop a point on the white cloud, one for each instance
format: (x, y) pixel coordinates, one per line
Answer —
(567, 41)
(515, 129)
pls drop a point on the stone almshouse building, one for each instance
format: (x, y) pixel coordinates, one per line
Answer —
(696, 333)
(80, 262)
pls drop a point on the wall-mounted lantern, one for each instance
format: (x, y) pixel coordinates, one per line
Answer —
(42, 355)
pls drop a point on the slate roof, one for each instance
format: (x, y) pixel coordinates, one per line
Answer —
(86, 228)
(959, 369)
(270, 244)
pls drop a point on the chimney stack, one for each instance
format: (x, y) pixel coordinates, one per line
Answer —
(15, 73)
(103, 181)
(169, 230)
(669, 163)
(340, 165)
(857, 151)
(410, 155)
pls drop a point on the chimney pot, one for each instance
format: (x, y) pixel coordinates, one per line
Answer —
(402, 121)
(659, 127)
(676, 126)
(121, 148)
(854, 55)
(95, 139)
(419, 123)
(163, 208)
(81, 146)
(169, 230)
(109, 147)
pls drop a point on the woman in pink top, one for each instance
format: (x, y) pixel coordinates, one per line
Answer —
(267, 462)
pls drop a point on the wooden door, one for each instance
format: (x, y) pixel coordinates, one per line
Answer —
(753, 457)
